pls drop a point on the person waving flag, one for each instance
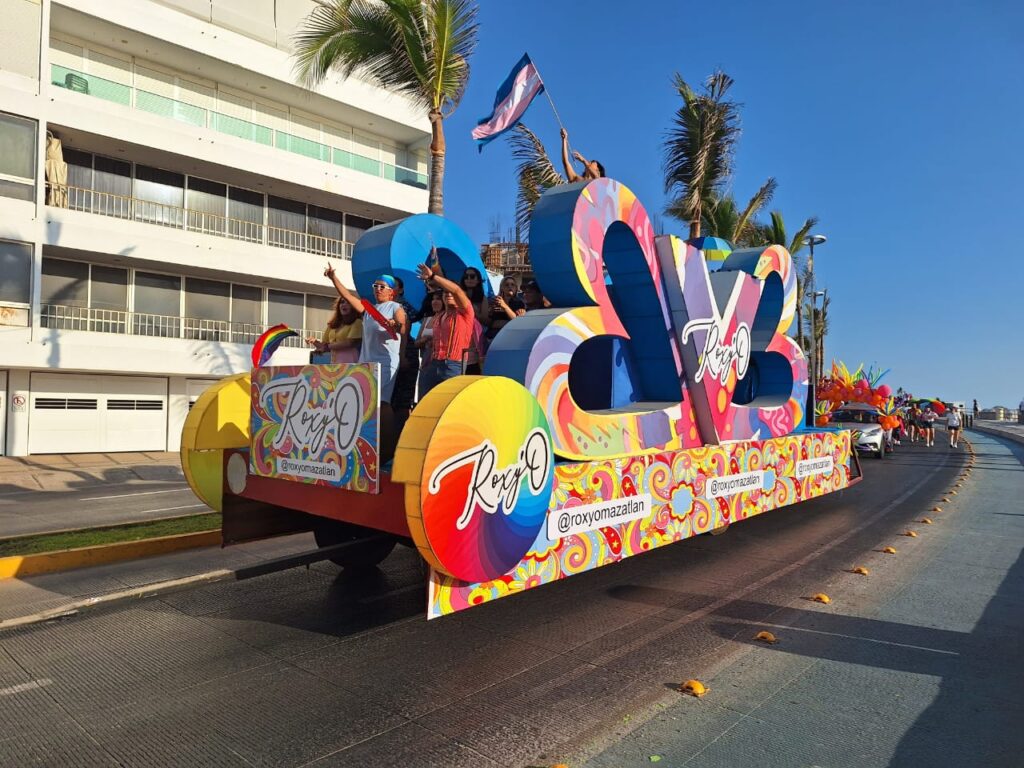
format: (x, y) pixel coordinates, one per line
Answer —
(514, 96)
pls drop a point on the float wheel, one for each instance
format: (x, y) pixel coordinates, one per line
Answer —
(328, 533)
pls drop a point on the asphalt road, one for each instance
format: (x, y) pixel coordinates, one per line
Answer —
(24, 512)
(311, 666)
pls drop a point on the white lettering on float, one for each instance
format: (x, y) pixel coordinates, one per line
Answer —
(308, 425)
(489, 485)
(718, 355)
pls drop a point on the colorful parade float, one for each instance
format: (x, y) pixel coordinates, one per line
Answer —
(658, 398)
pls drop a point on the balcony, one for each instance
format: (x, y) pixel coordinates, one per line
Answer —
(68, 318)
(135, 209)
(202, 117)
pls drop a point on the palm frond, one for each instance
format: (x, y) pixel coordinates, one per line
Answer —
(700, 144)
(535, 171)
(761, 198)
(797, 244)
(720, 217)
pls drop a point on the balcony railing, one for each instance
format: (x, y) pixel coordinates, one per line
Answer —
(201, 117)
(134, 209)
(62, 317)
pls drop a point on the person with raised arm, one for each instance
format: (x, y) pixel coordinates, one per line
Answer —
(383, 331)
(453, 332)
(591, 168)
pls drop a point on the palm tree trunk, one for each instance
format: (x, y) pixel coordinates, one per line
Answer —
(695, 228)
(435, 203)
(800, 313)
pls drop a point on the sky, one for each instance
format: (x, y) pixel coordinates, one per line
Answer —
(900, 125)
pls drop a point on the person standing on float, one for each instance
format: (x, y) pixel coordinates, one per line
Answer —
(380, 344)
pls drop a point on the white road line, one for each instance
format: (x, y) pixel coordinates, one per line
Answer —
(170, 509)
(25, 687)
(140, 493)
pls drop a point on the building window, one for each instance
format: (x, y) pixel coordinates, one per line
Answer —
(17, 157)
(245, 209)
(157, 304)
(318, 311)
(15, 272)
(65, 283)
(246, 313)
(160, 196)
(284, 307)
(207, 204)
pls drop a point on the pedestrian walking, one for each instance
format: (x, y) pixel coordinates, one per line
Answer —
(928, 418)
(953, 424)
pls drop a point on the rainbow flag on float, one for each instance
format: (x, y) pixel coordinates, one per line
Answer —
(514, 96)
(268, 342)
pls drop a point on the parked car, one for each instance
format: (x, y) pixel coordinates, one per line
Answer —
(869, 437)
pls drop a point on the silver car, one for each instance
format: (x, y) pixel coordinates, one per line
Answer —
(868, 435)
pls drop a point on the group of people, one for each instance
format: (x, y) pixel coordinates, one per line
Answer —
(920, 424)
(458, 321)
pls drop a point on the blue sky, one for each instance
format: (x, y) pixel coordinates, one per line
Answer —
(898, 124)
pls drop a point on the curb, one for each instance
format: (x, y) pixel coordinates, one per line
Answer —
(1012, 436)
(16, 566)
(150, 590)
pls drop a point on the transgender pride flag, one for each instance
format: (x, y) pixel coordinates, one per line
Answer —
(514, 96)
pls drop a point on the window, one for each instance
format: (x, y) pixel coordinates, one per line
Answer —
(326, 224)
(15, 272)
(160, 196)
(207, 299)
(245, 208)
(318, 311)
(109, 288)
(246, 313)
(287, 219)
(157, 304)
(207, 205)
(207, 309)
(112, 182)
(80, 196)
(355, 227)
(17, 157)
(284, 307)
(65, 283)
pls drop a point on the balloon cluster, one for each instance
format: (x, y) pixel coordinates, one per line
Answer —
(858, 386)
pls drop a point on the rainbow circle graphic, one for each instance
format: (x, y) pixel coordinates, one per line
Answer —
(486, 477)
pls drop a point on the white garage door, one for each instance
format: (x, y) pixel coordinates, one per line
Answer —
(75, 413)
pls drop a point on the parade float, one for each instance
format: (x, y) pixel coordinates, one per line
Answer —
(660, 397)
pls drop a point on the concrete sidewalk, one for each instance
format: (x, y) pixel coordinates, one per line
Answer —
(76, 471)
(38, 596)
(1011, 430)
(918, 663)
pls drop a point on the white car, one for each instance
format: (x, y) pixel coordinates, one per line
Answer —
(869, 437)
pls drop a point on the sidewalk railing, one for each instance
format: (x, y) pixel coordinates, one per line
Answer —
(202, 117)
(175, 217)
(63, 317)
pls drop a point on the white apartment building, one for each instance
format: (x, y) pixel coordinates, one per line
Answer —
(204, 192)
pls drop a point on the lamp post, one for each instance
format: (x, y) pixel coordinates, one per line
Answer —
(810, 241)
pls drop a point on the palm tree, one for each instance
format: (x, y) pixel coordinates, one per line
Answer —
(723, 219)
(535, 171)
(419, 48)
(820, 324)
(699, 148)
(774, 233)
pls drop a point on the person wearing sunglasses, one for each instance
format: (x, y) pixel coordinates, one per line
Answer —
(452, 332)
(473, 284)
(378, 344)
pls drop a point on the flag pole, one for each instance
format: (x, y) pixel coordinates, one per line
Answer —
(557, 117)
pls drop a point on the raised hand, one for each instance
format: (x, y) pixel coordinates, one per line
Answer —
(329, 270)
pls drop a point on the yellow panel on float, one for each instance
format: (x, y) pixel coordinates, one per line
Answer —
(219, 419)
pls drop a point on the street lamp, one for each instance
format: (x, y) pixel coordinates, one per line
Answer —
(810, 241)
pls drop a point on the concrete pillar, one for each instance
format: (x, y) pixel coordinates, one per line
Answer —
(17, 418)
(177, 411)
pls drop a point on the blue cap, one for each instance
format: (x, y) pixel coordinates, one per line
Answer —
(387, 279)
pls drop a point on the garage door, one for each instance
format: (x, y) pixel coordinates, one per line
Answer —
(74, 413)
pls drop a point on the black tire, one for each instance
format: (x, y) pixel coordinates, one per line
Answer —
(880, 453)
(359, 556)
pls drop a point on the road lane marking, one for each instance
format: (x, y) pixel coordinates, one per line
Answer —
(140, 493)
(169, 509)
(25, 687)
